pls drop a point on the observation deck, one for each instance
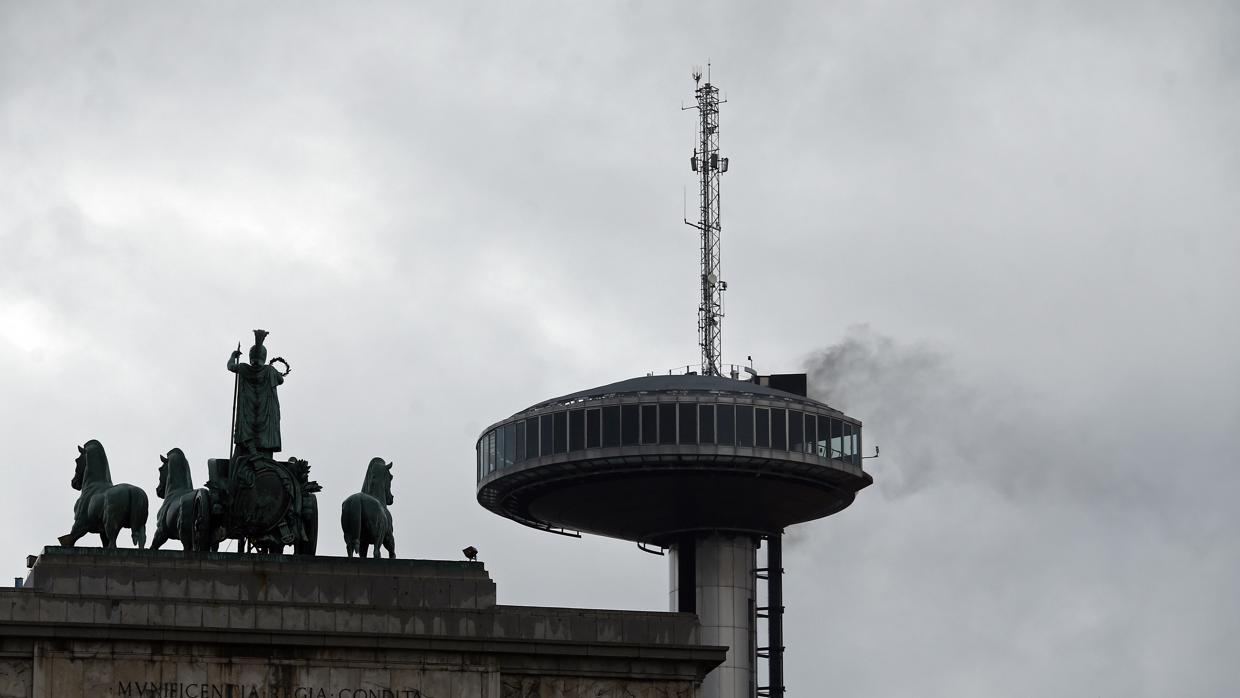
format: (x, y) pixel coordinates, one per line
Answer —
(652, 458)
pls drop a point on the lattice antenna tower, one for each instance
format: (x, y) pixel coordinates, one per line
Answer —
(708, 165)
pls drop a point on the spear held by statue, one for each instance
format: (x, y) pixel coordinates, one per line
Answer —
(232, 421)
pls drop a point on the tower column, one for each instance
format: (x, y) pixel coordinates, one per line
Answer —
(723, 582)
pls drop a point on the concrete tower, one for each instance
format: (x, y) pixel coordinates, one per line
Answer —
(702, 465)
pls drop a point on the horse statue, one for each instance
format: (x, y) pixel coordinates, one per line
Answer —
(185, 513)
(365, 517)
(102, 507)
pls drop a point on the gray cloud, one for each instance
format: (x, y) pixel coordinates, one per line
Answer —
(444, 215)
(1015, 533)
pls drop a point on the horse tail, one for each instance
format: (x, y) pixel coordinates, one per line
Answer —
(137, 515)
(351, 523)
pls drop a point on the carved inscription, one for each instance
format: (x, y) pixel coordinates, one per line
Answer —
(136, 689)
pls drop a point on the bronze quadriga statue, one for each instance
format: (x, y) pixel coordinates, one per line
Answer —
(102, 507)
(251, 497)
(365, 517)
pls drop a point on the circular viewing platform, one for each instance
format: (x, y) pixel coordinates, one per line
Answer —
(650, 458)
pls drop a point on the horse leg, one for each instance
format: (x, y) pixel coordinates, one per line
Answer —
(161, 530)
(138, 533)
(111, 531)
(69, 539)
(389, 534)
(185, 523)
(113, 518)
(351, 526)
(160, 537)
(135, 515)
(309, 527)
(373, 527)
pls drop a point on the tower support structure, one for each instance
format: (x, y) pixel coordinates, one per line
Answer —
(713, 575)
(773, 613)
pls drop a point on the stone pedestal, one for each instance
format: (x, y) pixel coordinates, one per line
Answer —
(93, 622)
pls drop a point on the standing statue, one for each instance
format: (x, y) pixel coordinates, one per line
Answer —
(185, 514)
(102, 507)
(256, 408)
(365, 517)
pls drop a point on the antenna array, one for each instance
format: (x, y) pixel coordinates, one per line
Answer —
(707, 163)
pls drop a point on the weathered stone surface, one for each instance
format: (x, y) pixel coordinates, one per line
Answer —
(214, 616)
(97, 623)
(15, 678)
(174, 575)
(580, 687)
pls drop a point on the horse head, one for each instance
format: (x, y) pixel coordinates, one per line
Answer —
(378, 483)
(92, 465)
(174, 475)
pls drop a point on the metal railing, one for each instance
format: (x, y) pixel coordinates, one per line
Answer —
(738, 372)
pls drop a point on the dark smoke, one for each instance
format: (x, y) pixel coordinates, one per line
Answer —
(936, 422)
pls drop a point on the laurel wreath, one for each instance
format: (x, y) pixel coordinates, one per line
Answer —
(287, 370)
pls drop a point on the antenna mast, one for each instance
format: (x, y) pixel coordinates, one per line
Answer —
(707, 163)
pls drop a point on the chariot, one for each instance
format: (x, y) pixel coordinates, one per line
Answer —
(263, 503)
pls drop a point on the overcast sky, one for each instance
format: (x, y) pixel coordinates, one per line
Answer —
(1003, 235)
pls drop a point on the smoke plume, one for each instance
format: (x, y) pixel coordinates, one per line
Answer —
(936, 422)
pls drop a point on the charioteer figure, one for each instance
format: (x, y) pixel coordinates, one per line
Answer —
(256, 416)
